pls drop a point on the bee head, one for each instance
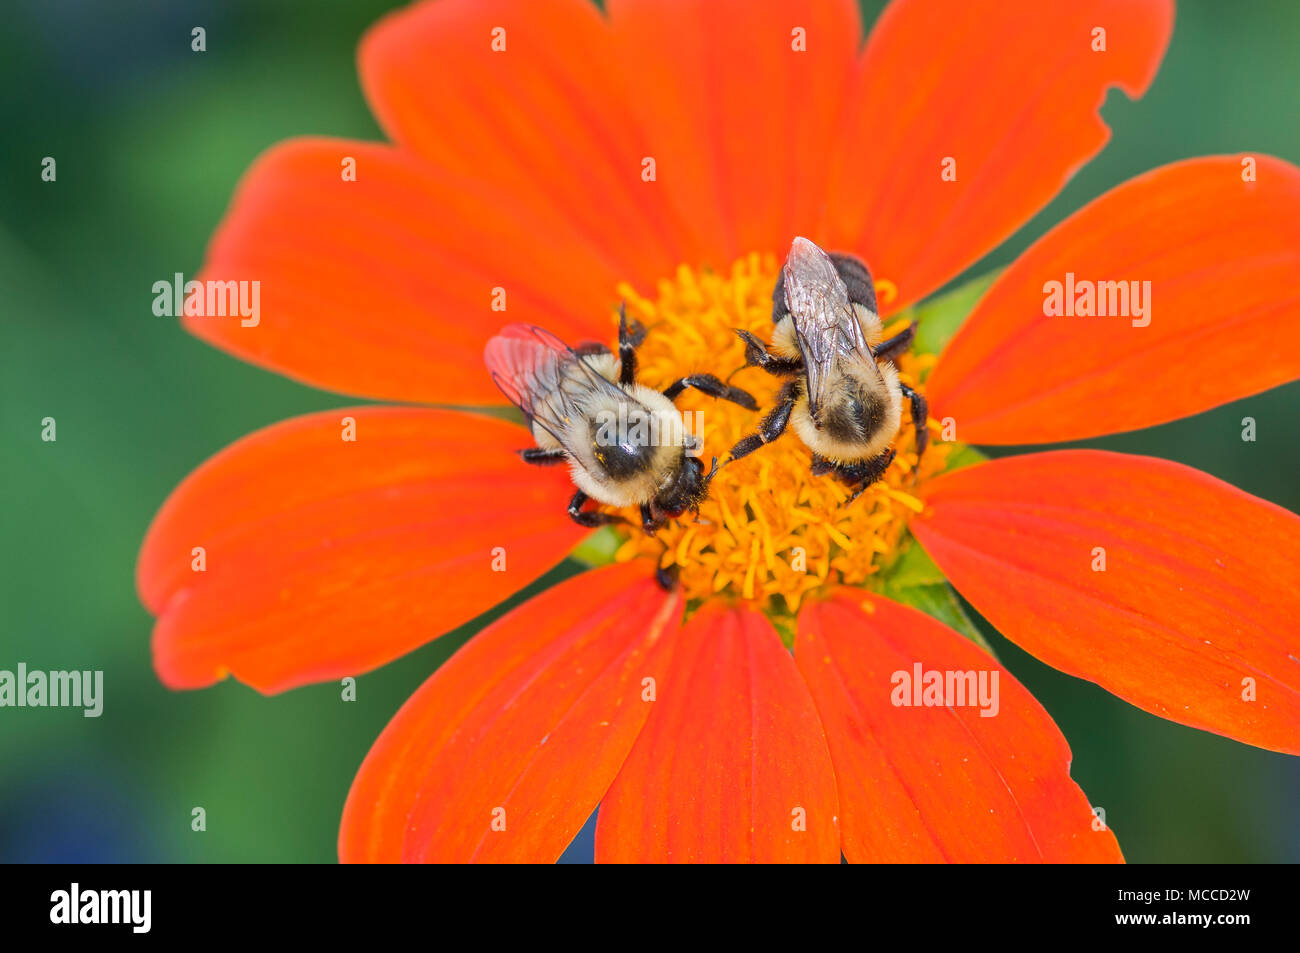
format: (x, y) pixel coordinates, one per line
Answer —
(686, 486)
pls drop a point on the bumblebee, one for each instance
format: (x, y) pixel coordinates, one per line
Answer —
(625, 443)
(842, 395)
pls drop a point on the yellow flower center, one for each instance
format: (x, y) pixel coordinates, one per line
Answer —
(770, 532)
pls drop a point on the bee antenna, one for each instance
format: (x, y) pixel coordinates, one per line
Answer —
(728, 378)
(708, 477)
(740, 334)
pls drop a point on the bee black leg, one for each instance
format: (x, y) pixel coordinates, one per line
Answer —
(920, 413)
(865, 473)
(649, 522)
(771, 426)
(900, 342)
(666, 576)
(708, 384)
(543, 458)
(757, 355)
(857, 278)
(630, 335)
(589, 518)
(589, 348)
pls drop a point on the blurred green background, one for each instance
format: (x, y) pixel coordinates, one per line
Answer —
(150, 139)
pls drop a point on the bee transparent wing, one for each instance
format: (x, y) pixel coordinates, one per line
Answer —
(826, 326)
(545, 379)
(524, 364)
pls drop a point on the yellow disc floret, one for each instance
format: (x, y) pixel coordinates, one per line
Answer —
(770, 532)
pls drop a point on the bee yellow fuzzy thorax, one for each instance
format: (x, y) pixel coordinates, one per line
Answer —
(770, 533)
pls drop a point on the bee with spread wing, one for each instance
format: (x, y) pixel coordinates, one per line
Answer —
(842, 394)
(625, 443)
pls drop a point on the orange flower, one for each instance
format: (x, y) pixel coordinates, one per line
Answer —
(561, 160)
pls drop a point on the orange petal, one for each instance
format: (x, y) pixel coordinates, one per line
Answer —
(732, 763)
(1223, 260)
(325, 557)
(506, 750)
(390, 285)
(528, 94)
(740, 111)
(1195, 609)
(940, 783)
(1008, 90)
